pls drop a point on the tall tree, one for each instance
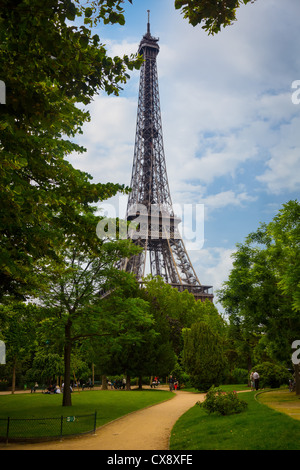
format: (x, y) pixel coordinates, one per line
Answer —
(285, 231)
(18, 322)
(72, 288)
(51, 63)
(179, 310)
(264, 284)
(203, 356)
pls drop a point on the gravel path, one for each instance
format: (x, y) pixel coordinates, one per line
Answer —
(147, 429)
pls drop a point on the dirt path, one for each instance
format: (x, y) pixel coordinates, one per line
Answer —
(147, 429)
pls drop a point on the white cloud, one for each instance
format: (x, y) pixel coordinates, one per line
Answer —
(109, 140)
(283, 173)
(213, 267)
(224, 98)
(227, 198)
(120, 48)
(283, 167)
(219, 105)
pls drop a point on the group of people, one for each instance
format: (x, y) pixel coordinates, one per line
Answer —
(254, 380)
(89, 384)
(117, 384)
(173, 383)
(155, 382)
(34, 387)
(53, 389)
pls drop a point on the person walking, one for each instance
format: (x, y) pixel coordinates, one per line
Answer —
(171, 383)
(256, 380)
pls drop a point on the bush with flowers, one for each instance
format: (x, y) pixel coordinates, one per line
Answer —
(223, 403)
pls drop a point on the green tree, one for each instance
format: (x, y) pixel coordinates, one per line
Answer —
(240, 345)
(151, 354)
(156, 352)
(71, 291)
(285, 250)
(46, 366)
(212, 13)
(18, 322)
(203, 356)
(52, 65)
(263, 286)
(179, 310)
(130, 350)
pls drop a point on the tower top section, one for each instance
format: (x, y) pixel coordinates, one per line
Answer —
(148, 43)
(153, 225)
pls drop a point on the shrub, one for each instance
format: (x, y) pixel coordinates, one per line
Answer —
(223, 403)
(185, 380)
(239, 376)
(272, 375)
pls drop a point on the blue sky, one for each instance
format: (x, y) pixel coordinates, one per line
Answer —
(231, 130)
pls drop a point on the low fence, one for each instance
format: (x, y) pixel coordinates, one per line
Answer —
(16, 429)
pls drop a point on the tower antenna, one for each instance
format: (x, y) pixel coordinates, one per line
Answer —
(148, 24)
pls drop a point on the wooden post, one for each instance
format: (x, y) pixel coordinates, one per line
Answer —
(61, 427)
(7, 429)
(95, 420)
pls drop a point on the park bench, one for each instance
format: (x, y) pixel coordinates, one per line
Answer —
(34, 389)
(154, 384)
(88, 385)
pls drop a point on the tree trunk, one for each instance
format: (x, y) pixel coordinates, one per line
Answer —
(297, 378)
(140, 383)
(128, 384)
(67, 401)
(13, 384)
(104, 382)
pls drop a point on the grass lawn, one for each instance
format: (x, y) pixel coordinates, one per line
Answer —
(258, 428)
(108, 404)
(283, 401)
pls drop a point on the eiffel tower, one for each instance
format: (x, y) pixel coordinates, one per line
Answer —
(154, 226)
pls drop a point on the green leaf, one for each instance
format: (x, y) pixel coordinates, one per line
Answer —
(88, 12)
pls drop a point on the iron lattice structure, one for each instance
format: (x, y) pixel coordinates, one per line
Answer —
(149, 209)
